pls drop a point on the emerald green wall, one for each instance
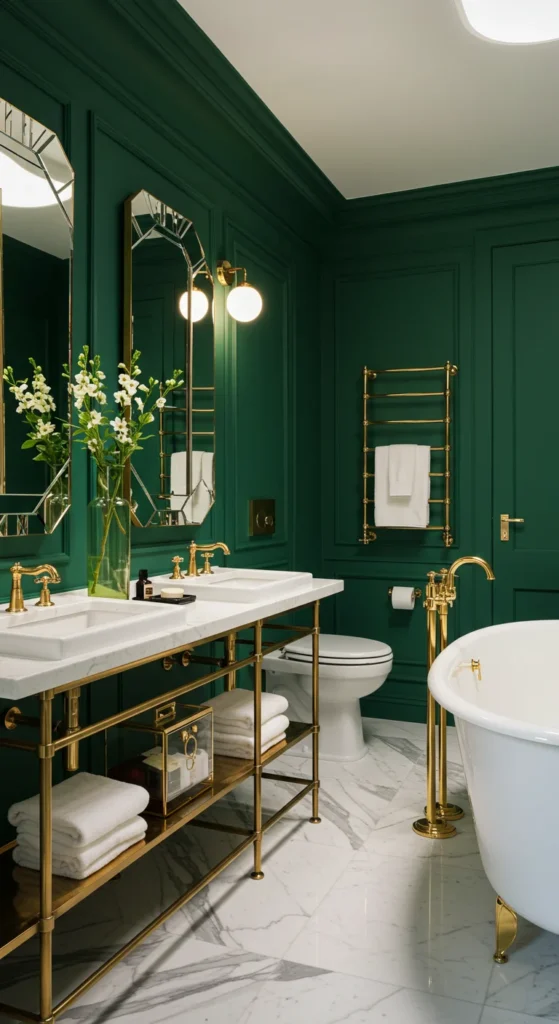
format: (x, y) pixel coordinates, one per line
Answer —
(414, 283)
(142, 100)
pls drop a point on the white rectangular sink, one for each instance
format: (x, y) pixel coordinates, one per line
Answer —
(80, 627)
(243, 586)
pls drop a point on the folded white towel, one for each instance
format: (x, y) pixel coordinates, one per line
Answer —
(270, 729)
(411, 511)
(28, 837)
(242, 748)
(85, 807)
(236, 707)
(401, 469)
(69, 866)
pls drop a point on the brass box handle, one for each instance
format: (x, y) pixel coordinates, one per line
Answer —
(505, 522)
(166, 714)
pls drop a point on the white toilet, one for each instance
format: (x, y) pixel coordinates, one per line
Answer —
(351, 667)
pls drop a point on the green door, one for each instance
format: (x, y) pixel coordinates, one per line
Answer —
(526, 430)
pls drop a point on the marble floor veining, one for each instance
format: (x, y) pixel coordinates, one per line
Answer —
(357, 920)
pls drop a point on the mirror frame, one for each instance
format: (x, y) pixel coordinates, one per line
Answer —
(35, 137)
(200, 266)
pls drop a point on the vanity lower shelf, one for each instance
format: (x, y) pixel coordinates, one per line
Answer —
(19, 887)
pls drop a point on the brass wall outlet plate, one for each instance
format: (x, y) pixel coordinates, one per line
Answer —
(262, 517)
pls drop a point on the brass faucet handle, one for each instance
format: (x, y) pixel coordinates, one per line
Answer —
(207, 570)
(44, 597)
(177, 574)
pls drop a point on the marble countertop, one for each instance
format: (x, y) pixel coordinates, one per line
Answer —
(23, 677)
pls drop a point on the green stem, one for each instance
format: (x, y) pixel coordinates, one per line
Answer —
(111, 511)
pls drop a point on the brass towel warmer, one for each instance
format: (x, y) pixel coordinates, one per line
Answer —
(449, 371)
(440, 594)
(188, 433)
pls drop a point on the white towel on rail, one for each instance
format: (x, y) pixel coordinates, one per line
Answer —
(85, 807)
(196, 505)
(413, 510)
(28, 836)
(243, 748)
(401, 469)
(236, 707)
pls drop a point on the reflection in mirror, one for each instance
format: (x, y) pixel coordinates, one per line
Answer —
(36, 238)
(167, 275)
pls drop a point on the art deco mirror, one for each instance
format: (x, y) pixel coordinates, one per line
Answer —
(165, 276)
(36, 238)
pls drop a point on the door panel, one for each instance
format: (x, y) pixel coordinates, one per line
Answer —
(526, 429)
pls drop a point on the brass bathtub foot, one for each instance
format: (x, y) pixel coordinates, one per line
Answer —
(506, 927)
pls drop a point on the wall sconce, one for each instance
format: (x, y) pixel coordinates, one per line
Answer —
(200, 304)
(244, 302)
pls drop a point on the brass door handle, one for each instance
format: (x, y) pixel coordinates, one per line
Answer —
(505, 522)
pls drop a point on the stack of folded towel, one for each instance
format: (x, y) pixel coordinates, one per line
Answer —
(94, 819)
(234, 722)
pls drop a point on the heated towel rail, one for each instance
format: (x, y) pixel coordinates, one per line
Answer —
(369, 377)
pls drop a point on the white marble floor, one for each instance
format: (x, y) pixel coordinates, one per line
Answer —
(357, 920)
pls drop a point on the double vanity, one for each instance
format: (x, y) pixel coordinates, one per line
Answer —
(64, 648)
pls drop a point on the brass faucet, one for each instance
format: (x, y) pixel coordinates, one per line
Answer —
(49, 575)
(448, 583)
(207, 548)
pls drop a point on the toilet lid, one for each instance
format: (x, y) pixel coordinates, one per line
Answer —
(340, 650)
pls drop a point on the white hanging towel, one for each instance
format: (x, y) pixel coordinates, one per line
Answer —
(407, 510)
(401, 470)
(200, 500)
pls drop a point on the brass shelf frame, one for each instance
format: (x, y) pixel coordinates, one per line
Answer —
(32, 901)
(449, 370)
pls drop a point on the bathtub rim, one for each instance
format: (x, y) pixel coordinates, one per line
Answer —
(463, 709)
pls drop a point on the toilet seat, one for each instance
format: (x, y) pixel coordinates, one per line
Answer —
(339, 650)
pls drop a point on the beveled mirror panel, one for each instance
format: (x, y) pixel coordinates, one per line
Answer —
(36, 242)
(172, 481)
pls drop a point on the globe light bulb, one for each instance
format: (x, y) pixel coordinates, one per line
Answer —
(244, 303)
(513, 21)
(200, 304)
(24, 188)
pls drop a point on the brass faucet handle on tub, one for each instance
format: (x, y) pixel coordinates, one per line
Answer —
(44, 597)
(177, 574)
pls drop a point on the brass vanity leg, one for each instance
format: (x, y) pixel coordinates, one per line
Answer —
(506, 927)
(231, 654)
(449, 812)
(315, 720)
(73, 725)
(258, 874)
(46, 919)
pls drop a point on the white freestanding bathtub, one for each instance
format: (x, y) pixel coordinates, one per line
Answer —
(508, 729)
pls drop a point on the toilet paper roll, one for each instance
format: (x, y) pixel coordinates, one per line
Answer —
(403, 598)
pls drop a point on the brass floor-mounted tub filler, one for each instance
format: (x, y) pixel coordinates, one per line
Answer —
(48, 897)
(440, 594)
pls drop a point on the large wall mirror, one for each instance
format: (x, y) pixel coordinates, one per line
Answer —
(172, 480)
(36, 239)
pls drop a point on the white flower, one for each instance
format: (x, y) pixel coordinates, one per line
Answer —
(122, 437)
(44, 429)
(161, 402)
(101, 375)
(118, 424)
(82, 378)
(94, 418)
(102, 398)
(140, 403)
(150, 417)
(143, 387)
(122, 398)
(92, 444)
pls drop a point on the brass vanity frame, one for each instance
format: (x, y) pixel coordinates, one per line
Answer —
(56, 896)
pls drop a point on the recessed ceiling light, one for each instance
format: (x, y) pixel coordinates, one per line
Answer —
(514, 21)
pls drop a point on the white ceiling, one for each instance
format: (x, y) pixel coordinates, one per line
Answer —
(387, 95)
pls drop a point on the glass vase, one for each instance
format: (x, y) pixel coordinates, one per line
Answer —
(57, 501)
(108, 538)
